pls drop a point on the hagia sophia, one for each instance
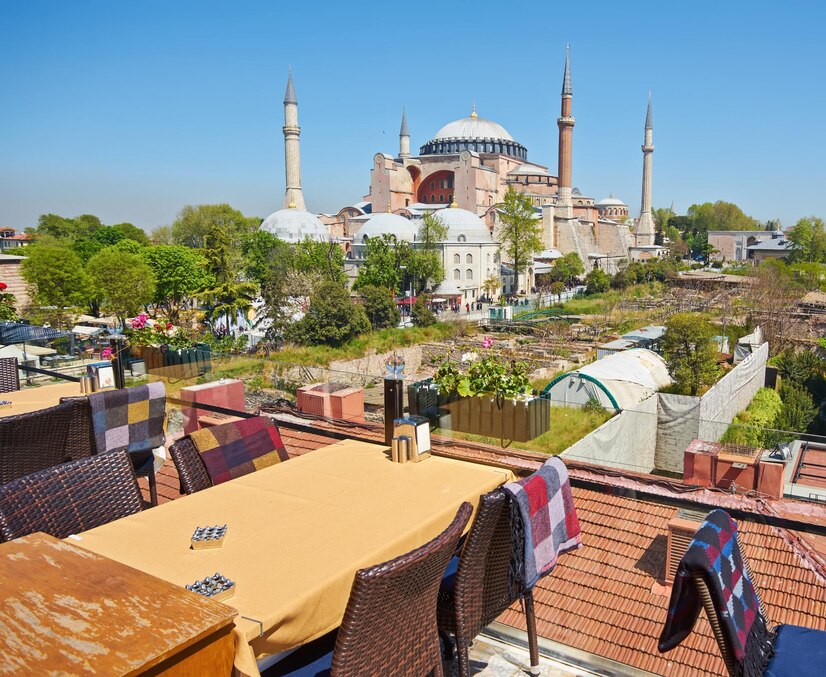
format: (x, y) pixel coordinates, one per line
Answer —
(462, 174)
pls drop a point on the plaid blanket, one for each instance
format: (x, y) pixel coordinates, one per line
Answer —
(129, 418)
(544, 506)
(240, 447)
(714, 554)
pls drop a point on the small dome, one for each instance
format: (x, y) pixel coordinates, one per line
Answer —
(463, 226)
(611, 201)
(473, 128)
(392, 224)
(294, 225)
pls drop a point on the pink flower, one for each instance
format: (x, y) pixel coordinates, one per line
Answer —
(168, 326)
(106, 353)
(3, 286)
(487, 342)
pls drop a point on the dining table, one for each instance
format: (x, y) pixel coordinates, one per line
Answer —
(296, 533)
(41, 397)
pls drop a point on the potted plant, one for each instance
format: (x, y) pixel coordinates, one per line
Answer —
(487, 397)
(167, 350)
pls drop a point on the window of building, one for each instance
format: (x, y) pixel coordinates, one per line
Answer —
(469, 258)
(461, 238)
(441, 198)
(456, 258)
(450, 198)
(450, 182)
(432, 185)
(457, 275)
(406, 202)
(469, 274)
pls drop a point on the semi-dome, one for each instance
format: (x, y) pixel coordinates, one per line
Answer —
(528, 169)
(294, 225)
(474, 134)
(463, 226)
(392, 224)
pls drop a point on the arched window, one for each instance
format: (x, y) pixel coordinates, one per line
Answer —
(441, 198)
(450, 198)
(469, 258)
(469, 274)
(456, 258)
(461, 238)
(457, 275)
(488, 257)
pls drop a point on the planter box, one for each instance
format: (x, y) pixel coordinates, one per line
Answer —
(516, 420)
(177, 363)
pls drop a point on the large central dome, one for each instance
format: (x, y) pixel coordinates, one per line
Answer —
(474, 134)
(473, 128)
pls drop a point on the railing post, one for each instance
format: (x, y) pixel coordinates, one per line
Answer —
(393, 404)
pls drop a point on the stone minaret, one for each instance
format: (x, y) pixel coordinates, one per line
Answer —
(644, 233)
(292, 157)
(566, 131)
(404, 137)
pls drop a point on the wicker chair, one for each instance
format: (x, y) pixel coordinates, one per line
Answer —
(476, 591)
(41, 439)
(9, 376)
(787, 650)
(191, 469)
(71, 497)
(389, 625)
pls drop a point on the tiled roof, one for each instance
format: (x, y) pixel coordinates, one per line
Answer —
(607, 598)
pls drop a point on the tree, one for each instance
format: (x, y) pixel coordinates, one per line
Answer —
(520, 231)
(556, 289)
(80, 227)
(381, 265)
(323, 258)
(194, 223)
(260, 252)
(491, 285)
(7, 302)
(426, 261)
(231, 296)
(689, 352)
(567, 268)
(380, 306)
(56, 277)
(808, 238)
(332, 319)
(180, 272)
(597, 281)
(421, 314)
(798, 409)
(122, 282)
(771, 300)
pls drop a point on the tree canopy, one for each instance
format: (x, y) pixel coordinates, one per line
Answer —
(690, 353)
(332, 318)
(56, 277)
(122, 282)
(808, 238)
(180, 273)
(381, 265)
(194, 223)
(520, 231)
(380, 306)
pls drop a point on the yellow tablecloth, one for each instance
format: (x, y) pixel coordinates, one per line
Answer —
(297, 533)
(33, 399)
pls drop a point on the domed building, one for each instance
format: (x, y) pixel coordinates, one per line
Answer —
(471, 160)
(612, 209)
(295, 225)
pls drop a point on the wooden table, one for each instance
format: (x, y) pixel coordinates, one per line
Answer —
(32, 399)
(297, 533)
(67, 611)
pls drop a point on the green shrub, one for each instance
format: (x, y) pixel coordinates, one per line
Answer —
(751, 426)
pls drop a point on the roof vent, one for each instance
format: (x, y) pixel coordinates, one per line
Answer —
(681, 530)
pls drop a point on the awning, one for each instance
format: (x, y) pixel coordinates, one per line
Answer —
(17, 332)
(438, 300)
(83, 330)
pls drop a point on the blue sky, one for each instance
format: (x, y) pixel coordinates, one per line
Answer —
(132, 110)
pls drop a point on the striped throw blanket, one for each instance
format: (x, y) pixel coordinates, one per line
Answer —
(129, 418)
(544, 509)
(714, 555)
(240, 447)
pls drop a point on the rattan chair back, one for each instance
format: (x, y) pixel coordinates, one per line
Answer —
(41, 439)
(389, 626)
(9, 376)
(191, 469)
(71, 497)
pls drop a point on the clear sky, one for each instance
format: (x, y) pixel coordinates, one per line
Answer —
(132, 110)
